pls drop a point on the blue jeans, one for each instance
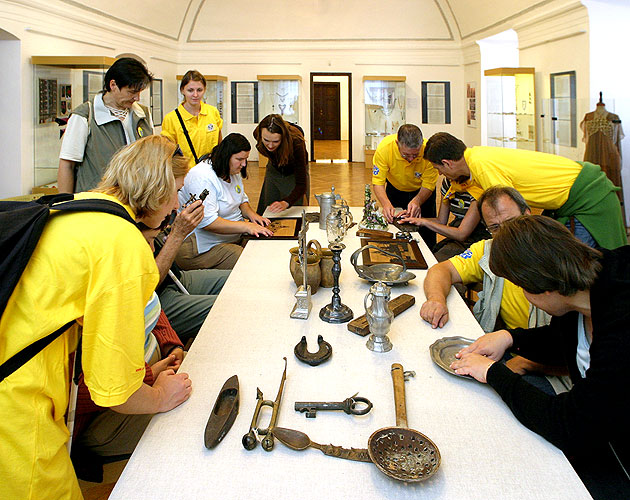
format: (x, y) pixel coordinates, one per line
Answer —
(582, 234)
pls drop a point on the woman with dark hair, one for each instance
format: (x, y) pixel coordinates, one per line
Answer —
(215, 243)
(286, 178)
(588, 294)
(194, 125)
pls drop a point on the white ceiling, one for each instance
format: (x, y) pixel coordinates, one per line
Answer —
(203, 21)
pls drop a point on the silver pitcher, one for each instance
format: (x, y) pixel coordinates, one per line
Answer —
(326, 201)
(379, 317)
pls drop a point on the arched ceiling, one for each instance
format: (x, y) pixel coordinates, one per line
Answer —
(207, 21)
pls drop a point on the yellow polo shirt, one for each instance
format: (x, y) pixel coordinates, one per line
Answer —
(390, 166)
(203, 130)
(514, 306)
(96, 268)
(543, 179)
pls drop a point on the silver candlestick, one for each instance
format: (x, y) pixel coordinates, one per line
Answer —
(336, 312)
(303, 304)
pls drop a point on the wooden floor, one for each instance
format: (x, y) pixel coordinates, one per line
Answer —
(330, 150)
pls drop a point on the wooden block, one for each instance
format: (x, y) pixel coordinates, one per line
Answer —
(374, 233)
(399, 304)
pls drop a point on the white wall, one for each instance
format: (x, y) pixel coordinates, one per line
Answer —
(10, 104)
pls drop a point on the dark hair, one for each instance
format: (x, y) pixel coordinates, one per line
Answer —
(492, 195)
(128, 72)
(192, 76)
(220, 157)
(443, 146)
(410, 136)
(275, 124)
(541, 255)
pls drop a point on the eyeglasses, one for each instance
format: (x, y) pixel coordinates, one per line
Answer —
(410, 157)
(168, 220)
(493, 228)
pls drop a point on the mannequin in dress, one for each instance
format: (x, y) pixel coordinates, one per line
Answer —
(603, 135)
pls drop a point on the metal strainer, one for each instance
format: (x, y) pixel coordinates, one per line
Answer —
(400, 452)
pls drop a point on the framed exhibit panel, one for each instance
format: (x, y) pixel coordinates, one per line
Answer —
(283, 228)
(279, 94)
(215, 91)
(511, 108)
(436, 102)
(245, 102)
(408, 250)
(156, 102)
(471, 104)
(60, 84)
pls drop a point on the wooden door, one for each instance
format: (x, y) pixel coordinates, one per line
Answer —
(327, 111)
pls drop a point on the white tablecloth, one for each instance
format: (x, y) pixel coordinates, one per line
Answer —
(486, 452)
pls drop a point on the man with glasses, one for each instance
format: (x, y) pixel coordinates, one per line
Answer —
(98, 128)
(577, 194)
(401, 177)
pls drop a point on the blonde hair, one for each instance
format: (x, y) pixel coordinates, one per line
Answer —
(142, 175)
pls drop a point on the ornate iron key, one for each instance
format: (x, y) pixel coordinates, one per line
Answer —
(352, 406)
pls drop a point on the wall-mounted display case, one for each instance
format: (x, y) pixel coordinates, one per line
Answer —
(385, 109)
(59, 85)
(216, 86)
(279, 94)
(511, 108)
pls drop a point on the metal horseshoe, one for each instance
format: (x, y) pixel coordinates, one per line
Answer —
(316, 358)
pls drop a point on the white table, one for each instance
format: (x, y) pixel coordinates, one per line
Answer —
(486, 452)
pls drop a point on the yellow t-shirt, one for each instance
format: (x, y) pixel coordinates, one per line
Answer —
(96, 268)
(543, 179)
(203, 130)
(514, 306)
(405, 176)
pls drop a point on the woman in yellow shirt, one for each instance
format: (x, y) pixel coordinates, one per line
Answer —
(194, 125)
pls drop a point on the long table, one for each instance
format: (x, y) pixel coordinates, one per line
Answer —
(486, 453)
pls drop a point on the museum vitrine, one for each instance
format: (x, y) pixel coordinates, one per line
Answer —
(215, 91)
(511, 108)
(385, 109)
(279, 94)
(60, 83)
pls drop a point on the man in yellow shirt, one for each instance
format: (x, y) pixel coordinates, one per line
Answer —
(97, 269)
(578, 194)
(401, 177)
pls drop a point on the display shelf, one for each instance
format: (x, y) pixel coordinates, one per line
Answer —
(279, 94)
(511, 110)
(385, 108)
(215, 91)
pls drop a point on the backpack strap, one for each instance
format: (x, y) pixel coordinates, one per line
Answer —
(192, 148)
(90, 205)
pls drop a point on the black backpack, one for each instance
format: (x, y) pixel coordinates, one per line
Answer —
(21, 226)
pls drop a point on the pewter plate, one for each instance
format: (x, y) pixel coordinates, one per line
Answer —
(443, 352)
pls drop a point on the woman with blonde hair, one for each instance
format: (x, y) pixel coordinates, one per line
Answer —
(194, 125)
(96, 269)
(286, 178)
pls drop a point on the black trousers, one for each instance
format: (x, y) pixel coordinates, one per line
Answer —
(402, 198)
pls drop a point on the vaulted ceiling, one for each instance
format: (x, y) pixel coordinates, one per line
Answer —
(207, 21)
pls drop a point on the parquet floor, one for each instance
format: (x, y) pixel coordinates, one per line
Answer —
(330, 150)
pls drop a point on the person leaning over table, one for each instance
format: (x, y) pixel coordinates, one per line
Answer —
(588, 294)
(200, 120)
(401, 177)
(500, 302)
(466, 227)
(578, 194)
(98, 128)
(97, 269)
(286, 176)
(216, 241)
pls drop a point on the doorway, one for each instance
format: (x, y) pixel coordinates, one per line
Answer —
(331, 111)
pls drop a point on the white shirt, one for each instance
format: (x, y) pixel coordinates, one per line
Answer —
(224, 200)
(77, 130)
(583, 355)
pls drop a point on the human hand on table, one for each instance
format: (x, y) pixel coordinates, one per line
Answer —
(188, 219)
(388, 212)
(278, 206)
(260, 220)
(474, 365)
(254, 229)
(169, 362)
(493, 345)
(173, 389)
(435, 313)
(418, 221)
(413, 209)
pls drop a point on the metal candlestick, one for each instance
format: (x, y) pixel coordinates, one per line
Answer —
(303, 304)
(336, 312)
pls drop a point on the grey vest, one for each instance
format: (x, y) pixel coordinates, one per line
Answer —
(103, 141)
(488, 305)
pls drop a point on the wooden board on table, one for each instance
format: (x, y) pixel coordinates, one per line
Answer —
(399, 304)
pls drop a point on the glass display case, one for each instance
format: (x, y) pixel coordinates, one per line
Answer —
(279, 94)
(511, 108)
(215, 92)
(385, 109)
(60, 84)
